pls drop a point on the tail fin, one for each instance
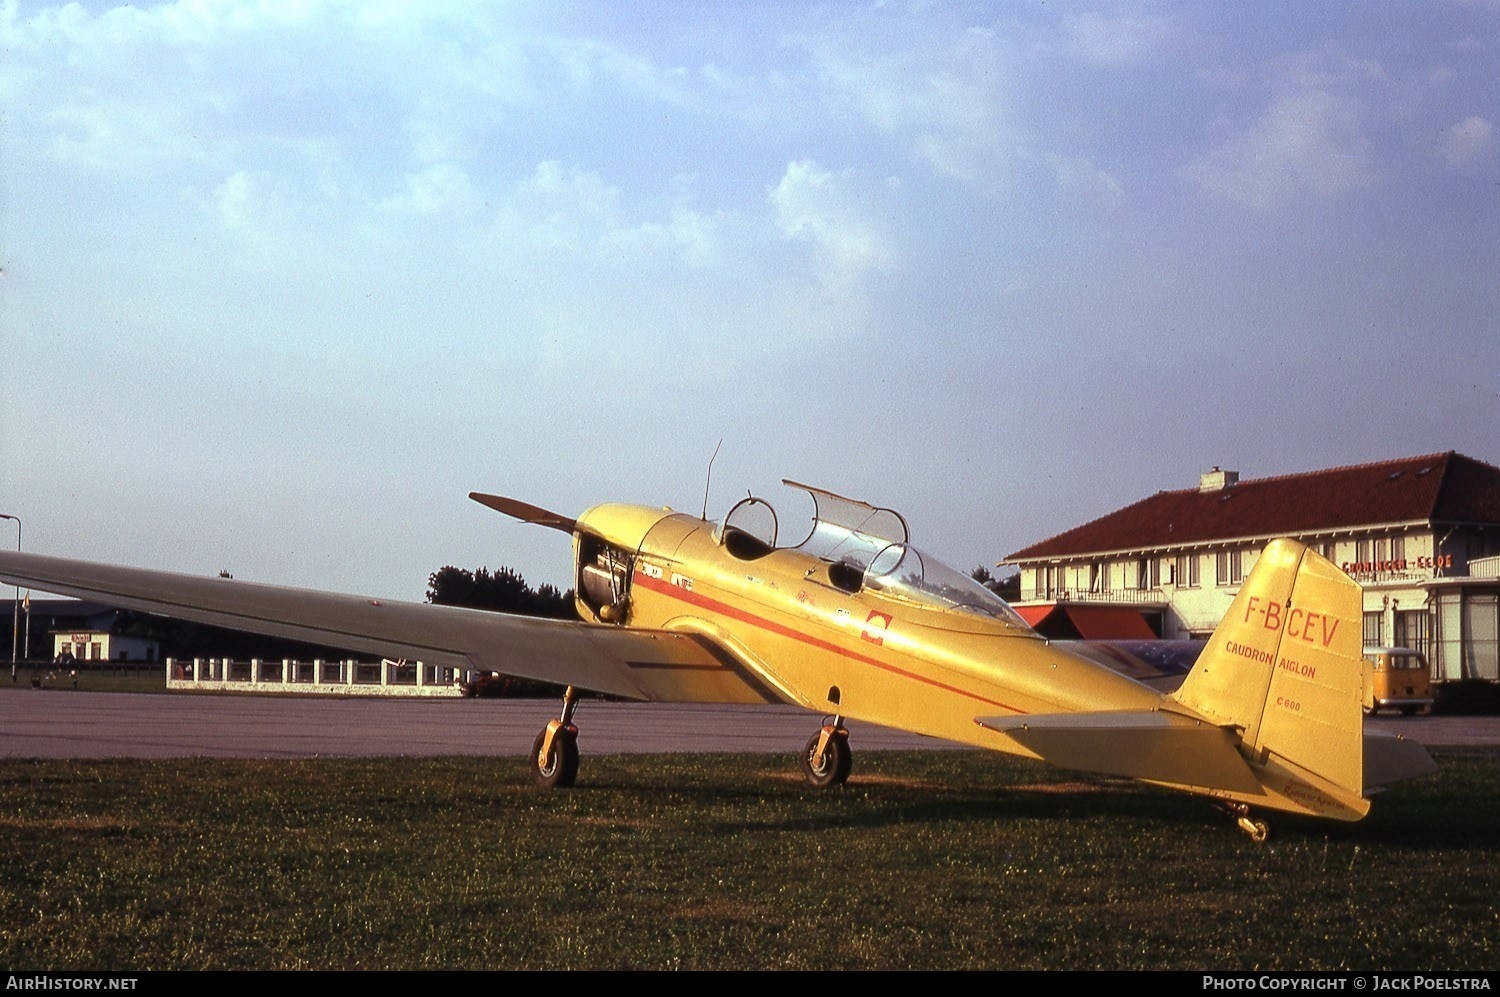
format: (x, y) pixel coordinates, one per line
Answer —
(1285, 668)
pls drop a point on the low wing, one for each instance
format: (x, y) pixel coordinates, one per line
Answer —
(635, 664)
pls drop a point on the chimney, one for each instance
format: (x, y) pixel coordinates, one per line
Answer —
(1217, 480)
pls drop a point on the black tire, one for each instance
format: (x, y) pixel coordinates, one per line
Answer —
(561, 768)
(832, 766)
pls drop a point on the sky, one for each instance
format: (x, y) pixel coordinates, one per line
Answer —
(281, 282)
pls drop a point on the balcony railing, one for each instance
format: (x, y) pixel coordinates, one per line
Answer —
(1132, 597)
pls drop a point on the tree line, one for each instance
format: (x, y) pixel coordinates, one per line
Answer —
(503, 591)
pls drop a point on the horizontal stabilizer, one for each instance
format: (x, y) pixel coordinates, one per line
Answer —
(1391, 758)
(1155, 746)
(525, 512)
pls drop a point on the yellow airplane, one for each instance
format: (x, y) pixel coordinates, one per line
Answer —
(855, 623)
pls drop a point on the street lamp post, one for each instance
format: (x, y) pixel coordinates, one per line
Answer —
(15, 607)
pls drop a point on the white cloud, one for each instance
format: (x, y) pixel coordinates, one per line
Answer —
(1309, 141)
(688, 235)
(1469, 141)
(233, 201)
(431, 191)
(1114, 41)
(827, 210)
(257, 210)
(577, 212)
(939, 92)
(567, 207)
(1077, 176)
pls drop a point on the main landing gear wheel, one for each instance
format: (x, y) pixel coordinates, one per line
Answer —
(554, 753)
(827, 760)
(555, 766)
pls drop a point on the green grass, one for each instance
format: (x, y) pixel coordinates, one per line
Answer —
(93, 677)
(925, 860)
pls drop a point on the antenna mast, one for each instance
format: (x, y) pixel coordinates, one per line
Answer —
(710, 477)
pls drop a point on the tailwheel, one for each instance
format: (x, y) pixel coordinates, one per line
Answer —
(827, 760)
(554, 753)
(1256, 827)
(554, 756)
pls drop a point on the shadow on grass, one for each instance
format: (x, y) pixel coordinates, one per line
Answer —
(980, 788)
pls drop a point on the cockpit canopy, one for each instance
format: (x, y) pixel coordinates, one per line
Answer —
(866, 547)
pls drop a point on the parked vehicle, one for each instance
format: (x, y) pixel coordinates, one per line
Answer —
(1398, 679)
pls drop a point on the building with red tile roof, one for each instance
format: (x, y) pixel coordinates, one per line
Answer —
(1421, 534)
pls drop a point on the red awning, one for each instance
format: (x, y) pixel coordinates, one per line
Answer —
(1034, 614)
(1109, 623)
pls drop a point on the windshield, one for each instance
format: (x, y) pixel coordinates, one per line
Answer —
(903, 571)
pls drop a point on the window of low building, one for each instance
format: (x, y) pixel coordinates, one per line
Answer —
(1186, 571)
(1228, 567)
(1413, 630)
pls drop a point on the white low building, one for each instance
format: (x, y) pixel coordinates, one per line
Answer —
(102, 645)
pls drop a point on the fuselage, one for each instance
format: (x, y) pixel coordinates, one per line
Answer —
(824, 637)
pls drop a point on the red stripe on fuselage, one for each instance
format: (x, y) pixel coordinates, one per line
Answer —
(687, 595)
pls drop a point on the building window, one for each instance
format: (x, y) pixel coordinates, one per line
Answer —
(1187, 570)
(1413, 630)
(1148, 573)
(1372, 629)
(1448, 637)
(1482, 636)
(1398, 550)
(1228, 568)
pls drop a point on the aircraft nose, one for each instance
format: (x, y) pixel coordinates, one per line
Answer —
(624, 526)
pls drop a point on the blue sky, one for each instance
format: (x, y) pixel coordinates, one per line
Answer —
(284, 281)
